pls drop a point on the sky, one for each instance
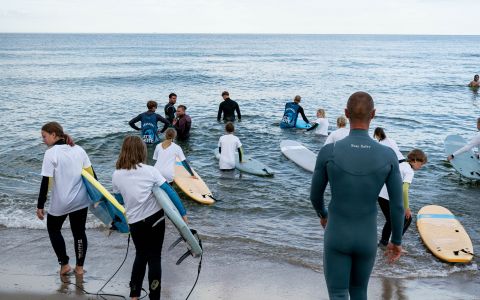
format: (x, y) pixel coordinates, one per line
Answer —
(242, 16)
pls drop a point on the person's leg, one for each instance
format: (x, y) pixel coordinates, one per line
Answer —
(155, 255)
(54, 227)
(362, 265)
(140, 240)
(337, 272)
(77, 223)
(387, 228)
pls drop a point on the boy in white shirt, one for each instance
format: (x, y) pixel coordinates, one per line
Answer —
(227, 145)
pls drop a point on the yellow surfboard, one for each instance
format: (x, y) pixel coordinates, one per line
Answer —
(194, 188)
(443, 234)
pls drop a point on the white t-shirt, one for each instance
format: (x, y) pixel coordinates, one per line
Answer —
(135, 186)
(166, 159)
(322, 128)
(391, 143)
(229, 145)
(337, 135)
(406, 172)
(475, 142)
(65, 163)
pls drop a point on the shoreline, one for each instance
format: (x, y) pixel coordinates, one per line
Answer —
(223, 276)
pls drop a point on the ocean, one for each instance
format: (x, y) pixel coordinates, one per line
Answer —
(94, 84)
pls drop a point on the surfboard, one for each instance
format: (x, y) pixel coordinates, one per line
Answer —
(465, 163)
(443, 234)
(194, 188)
(301, 124)
(250, 165)
(299, 154)
(104, 206)
(172, 213)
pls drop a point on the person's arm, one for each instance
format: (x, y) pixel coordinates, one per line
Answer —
(219, 114)
(473, 142)
(315, 125)
(237, 109)
(319, 183)
(135, 120)
(174, 197)
(397, 213)
(240, 154)
(186, 165)
(42, 195)
(165, 122)
(300, 110)
(405, 188)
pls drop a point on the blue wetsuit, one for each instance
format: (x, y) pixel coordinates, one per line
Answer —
(356, 168)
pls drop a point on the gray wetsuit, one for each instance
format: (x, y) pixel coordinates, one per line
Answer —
(356, 168)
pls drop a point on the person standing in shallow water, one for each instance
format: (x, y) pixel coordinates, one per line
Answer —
(228, 107)
(475, 82)
(170, 107)
(182, 123)
(290, 115)
(148, 125)
(356, 167)
(62, 167)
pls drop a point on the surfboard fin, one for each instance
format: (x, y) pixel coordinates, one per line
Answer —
(182, 258)
(174, 244)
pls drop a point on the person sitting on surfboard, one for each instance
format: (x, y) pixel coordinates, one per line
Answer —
(290, 115)
(416, 159)
(182, 123)
(320, 125)
(474, 142)
(340, 133)
(132, 181)
(228, 144)
(149, 125)
(166, 154)
(62, 167)
(475, 82)
(228, 107)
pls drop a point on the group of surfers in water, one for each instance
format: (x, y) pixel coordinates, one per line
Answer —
(349, 161)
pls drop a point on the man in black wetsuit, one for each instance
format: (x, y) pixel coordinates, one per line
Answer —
(356, 167)
(170, 107)
(228, 108)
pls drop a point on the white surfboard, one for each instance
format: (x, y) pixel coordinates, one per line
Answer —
(299, 154)
(250, 165)
(465, 163)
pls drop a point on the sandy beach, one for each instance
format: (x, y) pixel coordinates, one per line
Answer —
(28, 270)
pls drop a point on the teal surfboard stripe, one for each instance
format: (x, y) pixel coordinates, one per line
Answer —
(435, 216)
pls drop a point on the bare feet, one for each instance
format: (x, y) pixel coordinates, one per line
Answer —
(65, 269)
(79, 270)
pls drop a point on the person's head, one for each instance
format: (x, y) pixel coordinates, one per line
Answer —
(229, 127)
(225, 95)
(170, 134)
(475, 78)
(320, 113)
(297, 99)
(417, 158)
(181, 110)
(379, 134)
(341, 122)
(360, 110)
(152, 105)
(172, 98)
(52, 132)
(133, 153)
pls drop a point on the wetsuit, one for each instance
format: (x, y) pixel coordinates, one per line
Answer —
(183, 126)
(356, 168)
(290, 115)
(170, 112)
(228, 107)
(148, 125)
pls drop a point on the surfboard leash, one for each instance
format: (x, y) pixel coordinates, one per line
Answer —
(199, 263)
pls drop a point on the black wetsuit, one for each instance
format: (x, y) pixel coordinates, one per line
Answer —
(228, 108)
(170, 112)
(356, 168)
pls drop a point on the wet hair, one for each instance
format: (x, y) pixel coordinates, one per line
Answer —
(133, 153)
(297, 98)
(478, 120)
(225, 93)
(476, 76)
(152, 104)
(229, 127)
(341, 121)
(182, 106)
(359, 106)
(417, 155)
(380, 133)
(170, 133)
(321, 111)
(172, 95)
(54, 127)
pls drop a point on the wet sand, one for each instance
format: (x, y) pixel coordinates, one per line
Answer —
(28, 270)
